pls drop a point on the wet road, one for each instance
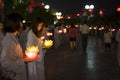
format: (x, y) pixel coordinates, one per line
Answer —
(94, 64)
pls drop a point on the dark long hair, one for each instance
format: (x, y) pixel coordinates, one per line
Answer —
(35, 25)
(12, 22)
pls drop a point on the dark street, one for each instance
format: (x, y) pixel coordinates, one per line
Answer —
(94, 64)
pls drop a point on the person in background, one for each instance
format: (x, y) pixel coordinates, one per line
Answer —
(23, 35)
(84, 30)
(73, 35)
(107, 40)
(23, 40)
(11, 59)
(57, 36)
(36, 68)
(45, 32)
(118, 49)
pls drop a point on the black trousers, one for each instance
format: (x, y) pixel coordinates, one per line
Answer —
(84, 39)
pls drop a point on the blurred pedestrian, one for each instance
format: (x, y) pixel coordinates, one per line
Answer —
(57, 36)
(118, 49)
(23, 40)
(84, 30)
(12, 62)
(107, 40)
(73, 36)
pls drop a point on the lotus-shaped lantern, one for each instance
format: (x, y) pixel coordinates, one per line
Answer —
(32, 52)
(48, 43)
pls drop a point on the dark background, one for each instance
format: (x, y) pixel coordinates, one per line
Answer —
(76, 6)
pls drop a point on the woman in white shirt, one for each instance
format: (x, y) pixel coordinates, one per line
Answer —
(36, 68)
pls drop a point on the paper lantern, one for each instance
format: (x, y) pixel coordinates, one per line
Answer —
(32, 52)
(60, 31)
(48, 43)
(64, 30)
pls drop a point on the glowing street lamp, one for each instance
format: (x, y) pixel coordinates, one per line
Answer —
(89, 6)
(90, 9)
(58, 15)
(47, 7)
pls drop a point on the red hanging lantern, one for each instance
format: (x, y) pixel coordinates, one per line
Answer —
(30, 7)
(101, 12)
(118, 9)
(78, 14)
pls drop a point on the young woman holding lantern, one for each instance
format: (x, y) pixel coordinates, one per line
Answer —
(34, 38)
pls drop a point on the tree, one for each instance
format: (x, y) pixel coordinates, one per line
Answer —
(28, 11)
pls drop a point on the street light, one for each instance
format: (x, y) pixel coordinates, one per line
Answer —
(47, 7)
(58, 15)
(89, 6)
(90, 9)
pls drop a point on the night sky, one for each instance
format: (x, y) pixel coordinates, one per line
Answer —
(76, 6)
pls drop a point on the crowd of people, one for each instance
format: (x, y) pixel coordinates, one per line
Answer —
(15, 37)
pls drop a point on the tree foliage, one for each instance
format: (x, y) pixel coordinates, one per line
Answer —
(28, 13)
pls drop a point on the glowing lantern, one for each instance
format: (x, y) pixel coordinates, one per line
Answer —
(30, 8)
(32, 52)
(49, 34)
(100, 29)
(90, 11)
(101, 12)
(60, 31)
(112, 30)
(42, 38)
(118, 9)
(69, 17)
(48, 43)
(64, 30)
(78, 14)
(90, 28)
(95, 28)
